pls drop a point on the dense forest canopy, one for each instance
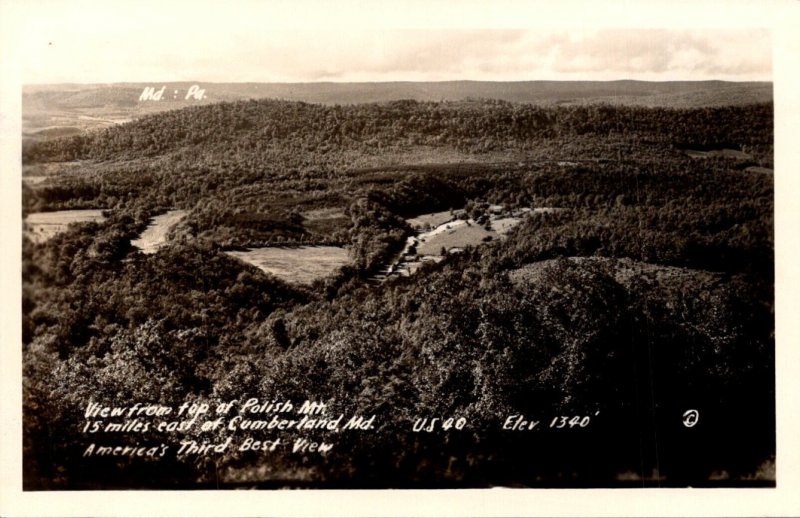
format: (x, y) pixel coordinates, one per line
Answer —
(649, 291)
(252, 126)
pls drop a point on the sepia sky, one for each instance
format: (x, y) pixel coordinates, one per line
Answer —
(91, 42)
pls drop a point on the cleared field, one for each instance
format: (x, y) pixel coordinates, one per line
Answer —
(41, 226)
(457, 234)
(328, 213)
(718, 153)
(438, 230)
(155, 235)
(625, 271)
(433, 220)
(503, 225)
(300, 265)
(33, 180)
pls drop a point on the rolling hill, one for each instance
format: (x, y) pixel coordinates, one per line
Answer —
(641, 289)
(48, 109)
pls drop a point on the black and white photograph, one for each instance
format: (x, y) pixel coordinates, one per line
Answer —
(296, 258)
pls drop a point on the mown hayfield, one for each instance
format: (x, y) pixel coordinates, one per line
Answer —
(460, 233)
(718, 153)
(41, 226)
(625, 271)
(300, 265)
(326, 213)
(457, 234)
(155, 235)
(33, 180)
(433, 220)
(503, 225)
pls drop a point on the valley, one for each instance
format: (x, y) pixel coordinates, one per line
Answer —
(589, 254)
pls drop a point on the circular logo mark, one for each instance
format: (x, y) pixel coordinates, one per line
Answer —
(690, 418)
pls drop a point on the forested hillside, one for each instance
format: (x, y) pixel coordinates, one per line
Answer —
(253, 126)
(645, 289)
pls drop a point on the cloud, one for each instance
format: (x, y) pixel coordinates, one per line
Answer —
(59, 51)
(530, 55)
(395, 53)
(700, 54)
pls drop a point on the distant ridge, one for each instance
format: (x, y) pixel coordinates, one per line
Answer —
(51, 110)
(690, 93)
